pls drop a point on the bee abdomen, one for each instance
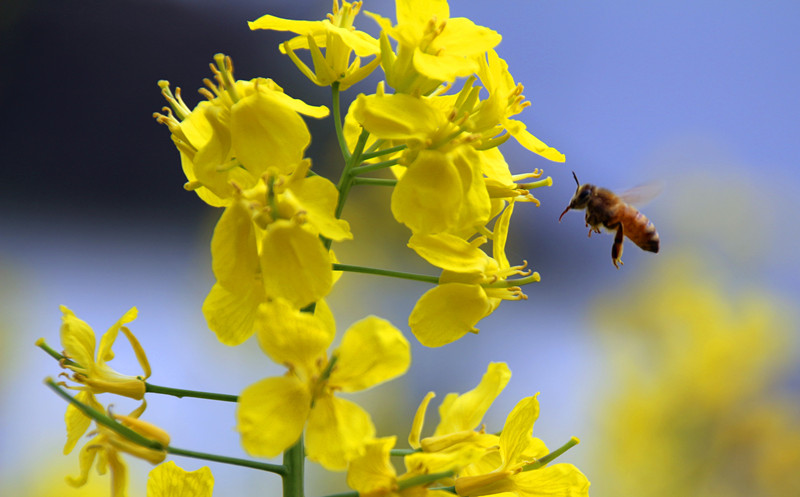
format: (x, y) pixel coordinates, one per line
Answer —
(642, 232)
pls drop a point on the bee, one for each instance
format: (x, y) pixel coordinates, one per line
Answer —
(606, 209)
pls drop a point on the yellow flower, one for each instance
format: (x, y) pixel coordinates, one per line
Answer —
(432, 46)
(106, 446)
(266, 245)
(504, 469)
(92, 372)
(244, 128)
(170, 480)
(373, 475)
(471, 285)
(339, 38)
(273, 412)
(505, 100)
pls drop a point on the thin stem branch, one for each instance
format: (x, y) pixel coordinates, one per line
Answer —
(374, 181)
(386, 151)
(373, 167)
(337, 121)
(197, 394)
(386, 272)
(272, 468)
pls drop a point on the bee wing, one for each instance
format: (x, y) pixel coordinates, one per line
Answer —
(642, 194)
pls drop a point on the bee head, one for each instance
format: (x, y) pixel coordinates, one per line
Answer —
(581, 197)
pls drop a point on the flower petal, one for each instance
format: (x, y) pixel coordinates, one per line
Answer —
(373, 470)
(232, 316)
(517, 432)
(372, 352)
(295, 264)
(559, 479)
(466, 411)
(271, 413)
(77, 422)
(448, 312)
(77, 338)
(448, 252)
(337, 432)
(170, 480)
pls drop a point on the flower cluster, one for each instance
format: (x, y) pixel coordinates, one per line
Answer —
(434, 126)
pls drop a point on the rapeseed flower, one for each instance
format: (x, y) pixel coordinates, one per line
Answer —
(266, 245)
(432, 47)
(107, 445)
(471, 285)
(511, 467)
(274, 412)
(244, 128)
(337, 36)
(91, 371)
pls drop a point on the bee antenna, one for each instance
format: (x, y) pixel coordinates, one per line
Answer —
(576, 178)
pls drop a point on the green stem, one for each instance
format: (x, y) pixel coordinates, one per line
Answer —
(337, 121)
(137, 438)
(386, 272)
(272, 468)
(104, 419)
(346, 180)
(374, 181)
(402, 452)
(373, 167)
(422, 479)
(180, 393)
(542, 461)
(293, 460)
(55, 355)
(386, 151)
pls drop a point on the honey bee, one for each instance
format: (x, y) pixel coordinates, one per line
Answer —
(612, 212)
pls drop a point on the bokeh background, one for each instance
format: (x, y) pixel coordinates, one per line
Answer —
(678, 371)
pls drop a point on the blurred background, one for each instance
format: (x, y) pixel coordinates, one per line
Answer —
(678, 372)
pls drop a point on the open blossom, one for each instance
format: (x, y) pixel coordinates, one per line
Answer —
(267, 245)
(244, 128)
(337, 36)
(512, 466)
(104, 451)
(91, 371)
(273, 413)
(432, 47)
(471, 285)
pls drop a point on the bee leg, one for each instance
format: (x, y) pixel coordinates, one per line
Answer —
(616, 249)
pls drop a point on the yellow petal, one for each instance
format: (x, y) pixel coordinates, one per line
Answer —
(372, 352)
(522, 135)
(559, 479)
(419, 12)
(77, 422)
(501, 237)
(267, 133)
(317, 196)
(104, 353)
(419, 418)
(291, 337)
(398, 116)
(271, 413)
(295, 264)
(77, 338)
(463, 37)
(170, 480)
(232, 316)
(517, 431)
(428, 197)
(448, 252)
(338, 431)
(234, 253)
(119, 474)
(443, 67)
(466, 411)
(438, 462)
(279, 24)
(448, 312)
(86, 459)
(372, 471)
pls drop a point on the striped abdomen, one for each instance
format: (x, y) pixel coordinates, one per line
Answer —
(639, 229)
